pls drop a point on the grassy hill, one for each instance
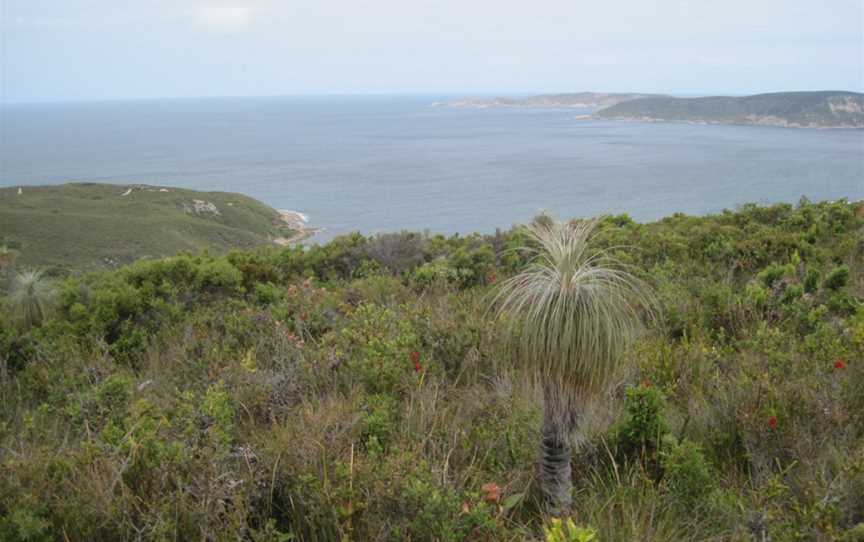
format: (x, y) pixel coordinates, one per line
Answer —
(90, 226)
(362, 390)
(825, 109)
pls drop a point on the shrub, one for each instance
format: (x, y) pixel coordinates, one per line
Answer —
(686, 472)
(379, 348)
(267, 293)
(774, 272)
(437, 272)
(396, 252)
(378, 422)
(558, 531)
(811, 280)
(645, 426)
(218, 276)
(218, 408)
(842, 303)
(837, 278)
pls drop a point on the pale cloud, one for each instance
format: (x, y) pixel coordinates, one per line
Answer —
(224, 17)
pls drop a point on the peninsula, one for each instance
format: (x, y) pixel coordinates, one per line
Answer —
(584, 100)
(822, 109)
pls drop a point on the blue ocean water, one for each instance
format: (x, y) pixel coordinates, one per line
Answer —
(388, 163)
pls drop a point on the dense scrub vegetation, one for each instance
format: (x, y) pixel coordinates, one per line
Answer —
(359, 390)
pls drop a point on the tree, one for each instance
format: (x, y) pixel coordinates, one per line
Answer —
(30, 298)
(569, 317)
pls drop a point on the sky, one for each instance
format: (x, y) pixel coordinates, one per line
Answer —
(57, 50)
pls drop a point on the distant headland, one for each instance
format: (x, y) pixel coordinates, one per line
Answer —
(572, 99)
(817, 109)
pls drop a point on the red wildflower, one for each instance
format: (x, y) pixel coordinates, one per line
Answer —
(646, 383)
(492, 278)
(491, 492)
(772, 422)
(839, 364)
(415, 359)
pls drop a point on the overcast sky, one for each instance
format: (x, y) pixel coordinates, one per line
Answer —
(107, 49)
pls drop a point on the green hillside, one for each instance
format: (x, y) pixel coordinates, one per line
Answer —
(363, 390)
(825, 109)
(91, 226)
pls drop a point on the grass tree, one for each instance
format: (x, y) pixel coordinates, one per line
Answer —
(569, 317)
(30, 298)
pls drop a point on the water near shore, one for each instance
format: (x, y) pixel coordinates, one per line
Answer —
(390, 163)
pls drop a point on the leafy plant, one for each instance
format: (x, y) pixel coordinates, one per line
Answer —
(568, 531)
(837, 278)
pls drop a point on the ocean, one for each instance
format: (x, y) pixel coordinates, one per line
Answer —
(388, 163)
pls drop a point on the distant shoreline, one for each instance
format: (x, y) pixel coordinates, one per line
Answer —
(298, 222)
(831, 109)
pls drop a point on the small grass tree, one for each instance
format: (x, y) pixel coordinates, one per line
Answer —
(30, 298)
(569, 318)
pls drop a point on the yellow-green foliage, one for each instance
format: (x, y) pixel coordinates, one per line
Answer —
(360, 391)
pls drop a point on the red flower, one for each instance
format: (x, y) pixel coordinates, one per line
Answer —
(415, 359)
(491, 492)
(646, 383)
(772, 422)
(491, 278)
(839, 364)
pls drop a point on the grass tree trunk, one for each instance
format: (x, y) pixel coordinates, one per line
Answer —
(559, 423)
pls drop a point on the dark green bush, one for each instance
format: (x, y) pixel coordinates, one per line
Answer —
(811, 280)
(641, 434)
(837, 278)
(686, 473)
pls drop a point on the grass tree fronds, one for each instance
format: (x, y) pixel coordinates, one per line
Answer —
(30, 298)
(575, 310)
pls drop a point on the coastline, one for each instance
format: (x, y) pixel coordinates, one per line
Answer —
(772, 122)
(298, 222)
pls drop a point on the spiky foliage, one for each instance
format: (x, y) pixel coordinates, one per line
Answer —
(573, 312)
(569, 317)
(30, 298)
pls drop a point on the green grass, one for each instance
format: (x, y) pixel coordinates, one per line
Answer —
(90, 226)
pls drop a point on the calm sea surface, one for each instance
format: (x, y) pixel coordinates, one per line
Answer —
(389, 163)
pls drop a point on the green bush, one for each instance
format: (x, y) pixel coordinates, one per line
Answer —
(379, 348)
(686, 473)
(811, 280)
(774, 272)
(837, 278)
(642, 432)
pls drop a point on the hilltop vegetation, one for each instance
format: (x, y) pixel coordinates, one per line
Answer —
(360, 390)
(827, 109)
(92, 226)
